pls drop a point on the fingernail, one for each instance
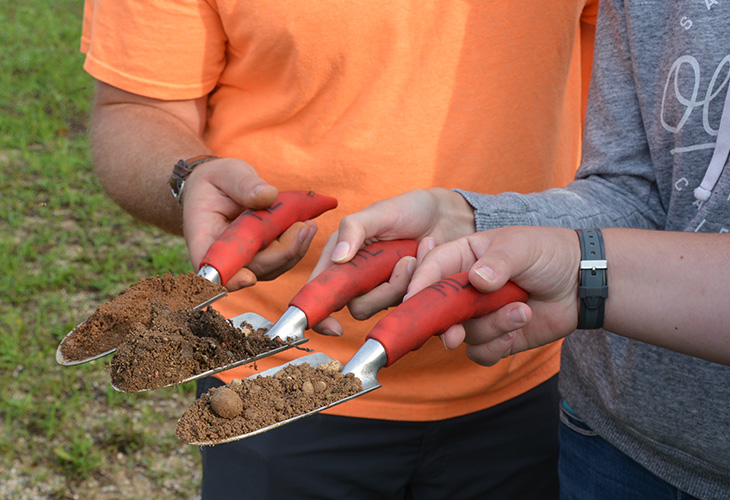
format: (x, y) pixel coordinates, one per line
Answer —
(411, 267)
(304, 233)
(517, 316)
(431, 244)
(443, 340)
(331, 333)
(485, 273)
(340, 251)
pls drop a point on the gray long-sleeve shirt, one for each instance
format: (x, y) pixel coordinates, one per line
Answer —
(661, 73)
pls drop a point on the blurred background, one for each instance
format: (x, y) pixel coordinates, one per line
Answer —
(65, 249)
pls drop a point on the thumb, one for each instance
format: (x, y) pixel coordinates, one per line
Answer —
(242, 184)
(541, 260)
(490, 272)
(501, 254)
(484, 278)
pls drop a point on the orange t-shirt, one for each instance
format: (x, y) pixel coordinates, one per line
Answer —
(363, 100)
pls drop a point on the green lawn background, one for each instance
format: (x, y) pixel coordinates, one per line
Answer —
(65, 249)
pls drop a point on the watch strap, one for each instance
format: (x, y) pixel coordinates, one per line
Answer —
(592, 279)
(182, 170)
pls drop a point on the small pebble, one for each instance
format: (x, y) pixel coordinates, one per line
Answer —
(252, 414)
(332, 366)
(226, 403)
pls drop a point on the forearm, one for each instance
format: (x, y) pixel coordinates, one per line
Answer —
(134, 148)
(668, 289)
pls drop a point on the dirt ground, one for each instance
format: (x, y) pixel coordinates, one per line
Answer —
(139, 461)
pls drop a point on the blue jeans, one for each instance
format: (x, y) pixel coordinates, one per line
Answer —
(590, 468)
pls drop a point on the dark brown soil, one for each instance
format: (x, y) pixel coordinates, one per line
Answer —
(294, 390)
(176, 345)
(109, 325)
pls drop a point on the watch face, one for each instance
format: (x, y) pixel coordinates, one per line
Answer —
(176, 184)
(182, 169)
(177, 180)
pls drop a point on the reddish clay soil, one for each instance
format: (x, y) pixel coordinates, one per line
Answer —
(250, 404)
(110, 324)
(177, 345)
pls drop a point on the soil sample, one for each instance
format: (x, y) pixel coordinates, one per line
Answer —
(177, 345)
(109, 325)
(250, 404)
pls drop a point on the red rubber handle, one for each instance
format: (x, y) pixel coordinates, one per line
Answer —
(332, 289)
(254, 230)
(434, 309)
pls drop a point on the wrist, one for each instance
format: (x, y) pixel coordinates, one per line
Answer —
(455, 211)
(182, 170)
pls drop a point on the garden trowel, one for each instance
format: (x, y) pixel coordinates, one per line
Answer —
(407, 327)
(250, 232)
(326, 293)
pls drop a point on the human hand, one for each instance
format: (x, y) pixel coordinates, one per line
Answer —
(439, 213)
(543, 261)
(215, 193)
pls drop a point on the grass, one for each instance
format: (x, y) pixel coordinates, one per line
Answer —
(66, 247)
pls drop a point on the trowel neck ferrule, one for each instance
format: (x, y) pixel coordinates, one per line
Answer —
(290, 326)
(211, 274)
(367, 361)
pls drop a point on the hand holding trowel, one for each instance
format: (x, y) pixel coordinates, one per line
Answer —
(328, 292)
(250, 232)
(407, 327)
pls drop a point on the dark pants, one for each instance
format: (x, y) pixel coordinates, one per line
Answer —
(591, 467)
(507, 452)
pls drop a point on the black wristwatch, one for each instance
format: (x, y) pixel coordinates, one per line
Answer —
(593, 279)
(182, 170)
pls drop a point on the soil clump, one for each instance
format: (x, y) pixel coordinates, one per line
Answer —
(177, 345)
(292, 391)
(112, 321)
